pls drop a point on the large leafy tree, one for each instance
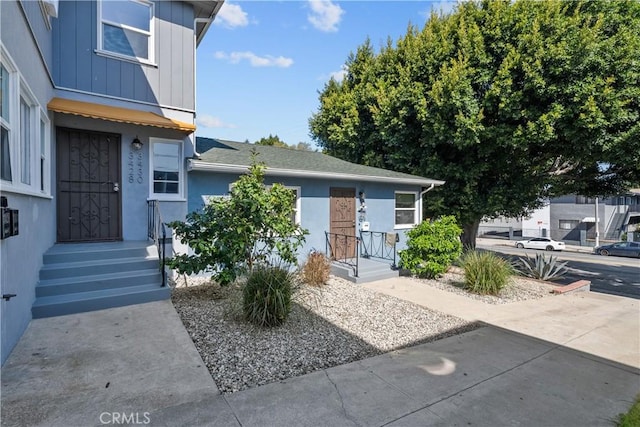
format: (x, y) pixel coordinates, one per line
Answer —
(508, 102)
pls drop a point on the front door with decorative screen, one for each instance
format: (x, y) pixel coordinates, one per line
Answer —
(88, 190)
(342, 217)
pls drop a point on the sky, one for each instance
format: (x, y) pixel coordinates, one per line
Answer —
(262, 64)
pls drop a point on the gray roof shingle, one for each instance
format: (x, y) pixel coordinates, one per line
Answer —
(229, 156)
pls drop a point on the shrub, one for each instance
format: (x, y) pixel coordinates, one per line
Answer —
(316, 269)
(432, 247)
(485, 272)
(542, 268)
(231, 235)
(267, 295)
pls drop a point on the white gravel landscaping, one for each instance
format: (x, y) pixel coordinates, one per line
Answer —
(329, 326)
(520, 289)
(338, 323)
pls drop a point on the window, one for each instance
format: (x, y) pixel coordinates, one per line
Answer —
(567, 224)
(582, 200)
(5, 127)
(166, 168)
(406, 212)
(25, 142)
(44, 153)
(126, 29)
(24, 161)
(296, 206)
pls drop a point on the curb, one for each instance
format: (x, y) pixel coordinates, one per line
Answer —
(579, 286)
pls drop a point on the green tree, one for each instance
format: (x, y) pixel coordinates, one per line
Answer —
(271, 140)
(508, 102)
(231, 236)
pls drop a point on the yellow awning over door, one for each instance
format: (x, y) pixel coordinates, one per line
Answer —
(117, 114)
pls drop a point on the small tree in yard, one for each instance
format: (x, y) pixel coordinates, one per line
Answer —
(231, 236)
(432, 247)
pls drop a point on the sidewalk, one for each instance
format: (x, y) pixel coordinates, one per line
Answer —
(571, 360)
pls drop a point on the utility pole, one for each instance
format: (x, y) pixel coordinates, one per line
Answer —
(597, 225)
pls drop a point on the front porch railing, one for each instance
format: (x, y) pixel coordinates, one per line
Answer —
(343, 249)
(157, 232)
(379, 244)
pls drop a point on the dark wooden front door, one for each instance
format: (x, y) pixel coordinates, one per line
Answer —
(88, 170)
(342, 217)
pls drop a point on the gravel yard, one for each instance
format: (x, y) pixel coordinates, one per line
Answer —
(521, 288)
(329, 326)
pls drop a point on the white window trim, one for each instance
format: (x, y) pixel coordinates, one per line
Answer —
(46, 155)
(181, 175)
(152, 36)
(19, 89)
(416, 210)
(298, 190)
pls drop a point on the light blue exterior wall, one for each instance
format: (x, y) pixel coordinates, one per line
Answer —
(60, 61)
(169, 82)
(314, 209)
(24, 35)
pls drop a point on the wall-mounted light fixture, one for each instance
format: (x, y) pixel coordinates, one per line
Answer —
(362, 207)
(136, 144)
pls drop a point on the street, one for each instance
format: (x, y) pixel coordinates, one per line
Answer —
(610, 275)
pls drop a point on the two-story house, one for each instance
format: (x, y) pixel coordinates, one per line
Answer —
(97, 117)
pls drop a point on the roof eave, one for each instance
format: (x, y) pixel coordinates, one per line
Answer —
(198, 165)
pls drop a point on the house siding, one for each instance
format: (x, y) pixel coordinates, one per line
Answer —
(170, 82)
(21, 255)
(380, 202)
(64, 55)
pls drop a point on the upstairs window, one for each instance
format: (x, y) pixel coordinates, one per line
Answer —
(126, 29)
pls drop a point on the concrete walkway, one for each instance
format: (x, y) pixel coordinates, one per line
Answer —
(569, 360)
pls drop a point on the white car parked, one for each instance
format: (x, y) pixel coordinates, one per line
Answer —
(540, 243)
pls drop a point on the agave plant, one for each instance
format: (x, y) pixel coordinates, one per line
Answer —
(542, 268)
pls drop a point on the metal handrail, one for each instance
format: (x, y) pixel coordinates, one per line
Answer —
(157, 232)
(331, 244)
(378, 245)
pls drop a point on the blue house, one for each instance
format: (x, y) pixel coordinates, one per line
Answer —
(97, 117)
(356, 213)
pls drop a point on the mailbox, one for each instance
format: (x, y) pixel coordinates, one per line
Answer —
(15, 228)
(5, 227)
(9, 220)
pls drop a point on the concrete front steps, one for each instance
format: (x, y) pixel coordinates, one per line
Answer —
(81, 277)
(369, 270)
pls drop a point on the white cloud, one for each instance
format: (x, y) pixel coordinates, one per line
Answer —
(209, 121)
(338, 75)
(325, 15)
(231, 16)
(255, 60)
(443, 6)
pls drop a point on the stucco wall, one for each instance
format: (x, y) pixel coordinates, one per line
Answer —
(379, 199)
(21, 255)
(134, 170)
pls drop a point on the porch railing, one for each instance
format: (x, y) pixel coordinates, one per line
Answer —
(343, 249)
(379, 244)
(157, 232)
